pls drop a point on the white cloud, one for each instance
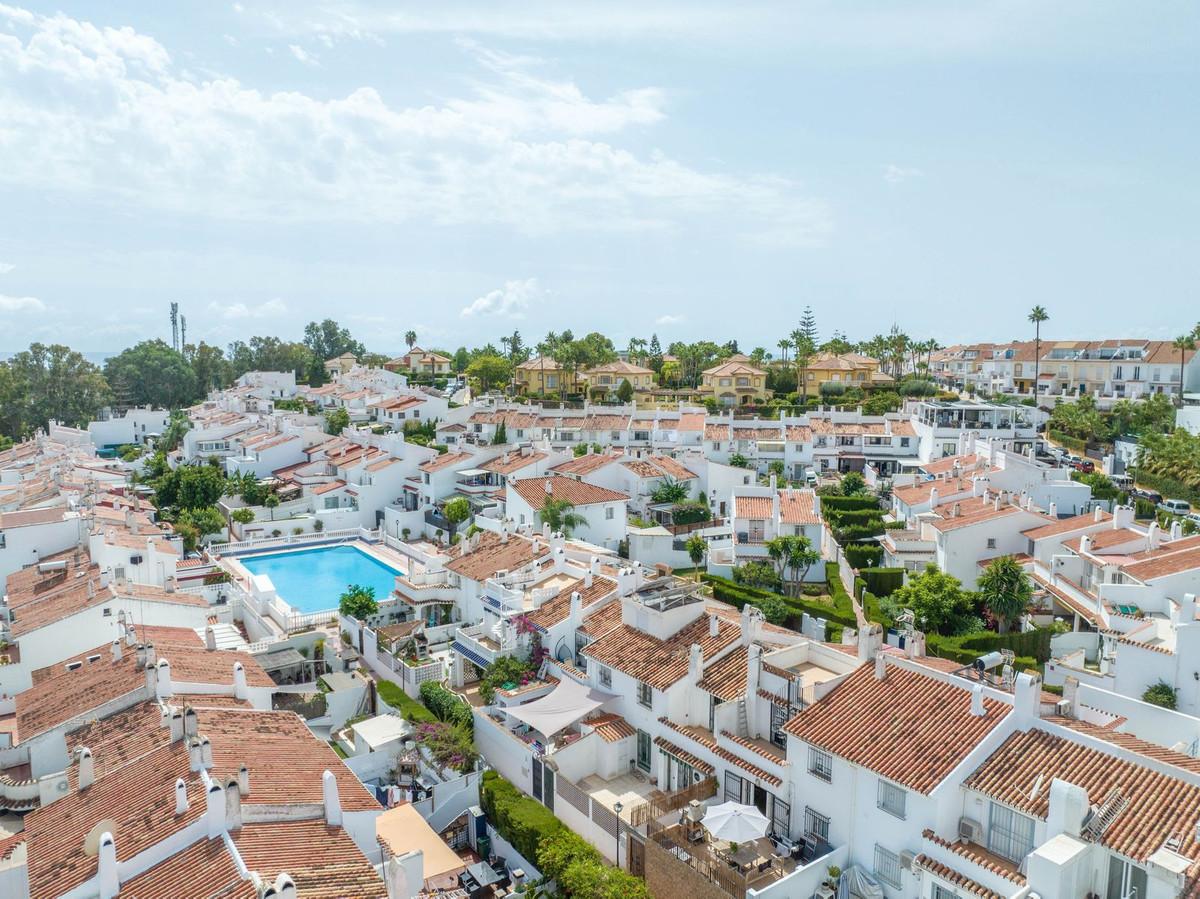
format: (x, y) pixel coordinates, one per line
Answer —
(669, 320)
(21, 304)
(6, 267)
(303, 55)
(511, 300)
(897, 174)
(103, 111)
(232, 311)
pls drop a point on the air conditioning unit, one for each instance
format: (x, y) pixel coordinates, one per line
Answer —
(135, 560)
(970, 830)
(906, 860)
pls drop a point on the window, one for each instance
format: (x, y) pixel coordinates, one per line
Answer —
(904, 441)
(608, 513)
(733, 787)
(1125, 880)
(716, 444)
(779, 717)
(606, 677)
(614, 435)
(816, 824)
(3, 541)
(991, 543)
(645, 694)
(820, 764)
(940, 892)
(643, 750)
(781, 817)
(1010, 834)
(887, 866)
(891, 798)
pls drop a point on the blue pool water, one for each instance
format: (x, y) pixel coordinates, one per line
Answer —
(312, 580)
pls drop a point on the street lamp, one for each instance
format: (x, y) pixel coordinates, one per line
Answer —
(617, 806)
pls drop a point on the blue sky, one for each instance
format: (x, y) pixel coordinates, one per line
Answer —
(690, 169)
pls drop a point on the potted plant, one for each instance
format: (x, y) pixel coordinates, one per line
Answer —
(833, 872)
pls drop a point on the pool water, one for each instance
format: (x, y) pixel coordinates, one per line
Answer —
(312, 580)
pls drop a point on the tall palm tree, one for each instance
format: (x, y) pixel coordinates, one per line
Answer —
(1037, 315)
(560, 514)
(410, 337)
(804, 350)
(784, 345)
(1183, 343)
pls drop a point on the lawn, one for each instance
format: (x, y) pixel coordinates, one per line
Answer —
(409, 708)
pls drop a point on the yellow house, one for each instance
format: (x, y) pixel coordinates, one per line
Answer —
(339, 365)
(735, 382)
(851, 369)
(607, 378)
(542, 375)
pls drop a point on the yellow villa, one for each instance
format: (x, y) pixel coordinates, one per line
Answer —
(541, 375)
(607, 378)
(735, 382)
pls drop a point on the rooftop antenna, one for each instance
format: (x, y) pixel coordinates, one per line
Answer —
(182, 331)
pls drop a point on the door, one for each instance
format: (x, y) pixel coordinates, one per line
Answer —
(760, 799)
(537, 779)
(635, 855)
(548, 787)
(643, 750)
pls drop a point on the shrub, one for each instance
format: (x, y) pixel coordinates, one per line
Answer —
(506, 669)
(409, 708)
(1074, 444)
(854, 532)
(757, 574)
(689, 512)
(445, 705)
(863, 555)
(520, 819)
(318, 525)
(848, 503)
(882, 581)
(1160, 694)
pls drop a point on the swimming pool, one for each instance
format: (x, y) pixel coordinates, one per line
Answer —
(312, 580)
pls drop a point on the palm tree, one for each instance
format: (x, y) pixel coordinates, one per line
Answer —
(410, 337)
(1037, 315)
(1006, 590)
(784, 345)
(804, 347)
(559, 515)
(1183, 343)
(696, 547)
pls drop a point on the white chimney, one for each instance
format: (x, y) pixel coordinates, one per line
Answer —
(1054, 511)
(181, 796)
(714, 627)
(191, 725)
(977, 708)
(1176, 529)
(130, 635)
(108, 880)
(880, 665)
(753, 664)
(116, 650)
(163, 688)
(243, 780)
(695, 662)
(240, 689)
(210, 639)
(175, 722)
(1153, 535)
(285, 887)
(87, 767)
(587, 579)
(333, 805)
(934, 496)
(233, 804)
(1098, 514)
(575, 615)
(214, 812)
(206, 755)
(1122, 517)
(1085, 544)
(548, 487)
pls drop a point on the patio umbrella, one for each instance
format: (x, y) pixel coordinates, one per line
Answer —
(735, 822)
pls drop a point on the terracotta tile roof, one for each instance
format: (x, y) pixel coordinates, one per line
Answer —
(328, 487)
(140, 798)
(1066, 526)
(445, 460)
(205, 862)
(684, 756)
(757, 507)
(733, 368)
(1167, 564)
(643, 468)
(556, 609)
(514, 462)
(577, 493)
(946, 465)
(620, 367)
(798, 507)
(324, 861)
(602, 620)
(951, 876)
(57, 700)
(612, 728)
(976, 515)
(115, 740)
(587, 463)
(716, 432)
(659, 663)
(766, 750)
(674, 468)
(971, 854)
(748, 766)
(916, 494)
(598, 422)
(491, 555)
(1131, 743)
(1105, 539)
(799, 434)
(726, 677)
(909, 727)
(757, 434)
(691, 421)
(1067, 600)
(1159, 805)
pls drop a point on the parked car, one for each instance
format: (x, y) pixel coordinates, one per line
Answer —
(1193, 516)
(1175, 506)
(1150, 496)
(1087, 466)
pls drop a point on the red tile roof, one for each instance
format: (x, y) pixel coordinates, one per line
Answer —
(798, 507)
(1065, 526)
(577, 493)
(910, 727)
(611, 727)
(726, 677)
(659, 663)
(587, 463)
(756, 507)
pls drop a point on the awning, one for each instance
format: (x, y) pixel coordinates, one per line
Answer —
(567, 703)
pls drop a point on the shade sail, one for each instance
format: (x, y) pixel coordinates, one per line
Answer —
(567, 703)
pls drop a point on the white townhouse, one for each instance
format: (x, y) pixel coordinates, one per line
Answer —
(139, 425)
(29, 535)
(602, 510)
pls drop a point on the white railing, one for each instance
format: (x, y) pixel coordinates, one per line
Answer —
(331, 536)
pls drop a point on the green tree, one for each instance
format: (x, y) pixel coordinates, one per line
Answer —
(210, 366)
(669, 490)
(271, 502)
(560, 515)
(1183, 343)
(243, 515)
(461, 359)
(1006, 590)
(1160, 694)
(803, 350)
(853, 484)
(792, 555)
(336, 420)
(49, 382)
(697, 548)
(655, 354)
(939, 603)
(489, 370)
(501, 436)
(504, 670)
(1037, 316)
(202, 521)
(882, 402)
(152, 373)
(737, 460)
(358, 602)
(625, 391)
(456, 511)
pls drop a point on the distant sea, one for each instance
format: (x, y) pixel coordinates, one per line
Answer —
(96, 357)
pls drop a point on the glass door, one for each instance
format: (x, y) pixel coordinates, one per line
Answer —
(643, 750)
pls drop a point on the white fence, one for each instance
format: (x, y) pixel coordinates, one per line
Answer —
(338, 536)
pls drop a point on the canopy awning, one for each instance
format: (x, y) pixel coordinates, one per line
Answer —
(567, 703)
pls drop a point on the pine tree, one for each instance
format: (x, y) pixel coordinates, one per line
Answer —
(808, 325)
(656, 353)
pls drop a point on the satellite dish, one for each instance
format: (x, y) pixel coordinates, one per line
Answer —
(91, 843)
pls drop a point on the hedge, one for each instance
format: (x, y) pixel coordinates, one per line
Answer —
(520, 819)
(847, 503)
(844, 517)
(411, 710)
(446, 706)
(738, 595)
(856, 532)
(1072, 443)
(863, 555)
(882, 581)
